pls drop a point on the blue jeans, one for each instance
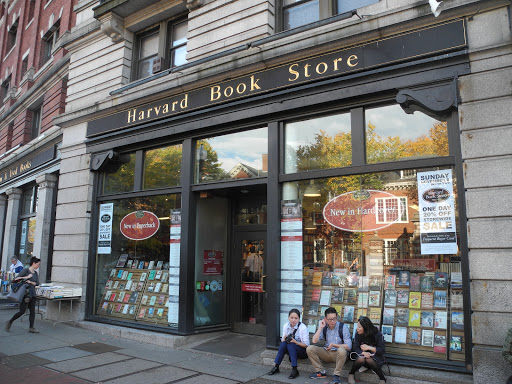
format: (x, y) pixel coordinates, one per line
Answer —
(291, 349)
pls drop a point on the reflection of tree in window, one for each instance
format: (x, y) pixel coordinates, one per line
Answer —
(122, 176)
(210, 168)
(162, 167)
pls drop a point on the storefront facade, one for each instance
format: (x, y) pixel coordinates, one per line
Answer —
(325, 173)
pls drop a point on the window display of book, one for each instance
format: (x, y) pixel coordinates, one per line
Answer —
(137, 294)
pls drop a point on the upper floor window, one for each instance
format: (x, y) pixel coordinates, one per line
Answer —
(36, 123)
(11, 36)
(48, 43)
(4, 90)
(162, 47)
(301, 12)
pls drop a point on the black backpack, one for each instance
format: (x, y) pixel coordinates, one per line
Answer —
(340, 330)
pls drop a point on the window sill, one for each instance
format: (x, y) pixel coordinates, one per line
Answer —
(8, 53)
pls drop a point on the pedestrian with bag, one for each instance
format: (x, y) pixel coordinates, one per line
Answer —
(30, 277)
(294, 342)
(337, 345)
(368, 351)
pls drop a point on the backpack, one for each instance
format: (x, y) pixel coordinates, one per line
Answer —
(340, 331)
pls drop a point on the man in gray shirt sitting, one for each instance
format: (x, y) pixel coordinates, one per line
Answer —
(337, 345)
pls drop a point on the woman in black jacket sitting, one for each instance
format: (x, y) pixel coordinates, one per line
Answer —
(367, 350)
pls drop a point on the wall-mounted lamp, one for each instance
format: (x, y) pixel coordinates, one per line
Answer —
(436, 7)
(312, 190)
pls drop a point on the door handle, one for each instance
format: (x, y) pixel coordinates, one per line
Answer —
(262, 285)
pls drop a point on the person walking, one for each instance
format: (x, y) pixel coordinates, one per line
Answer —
(27, 276)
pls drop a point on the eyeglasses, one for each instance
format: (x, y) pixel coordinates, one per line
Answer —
(332, 319)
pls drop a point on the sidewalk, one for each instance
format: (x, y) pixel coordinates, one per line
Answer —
(63, 354)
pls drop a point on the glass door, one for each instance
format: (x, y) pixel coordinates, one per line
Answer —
(249, 282)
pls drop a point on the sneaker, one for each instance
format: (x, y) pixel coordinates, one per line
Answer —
(318, 375)
(26, 299)
(33, 330)
(336, 379)
(7, 326)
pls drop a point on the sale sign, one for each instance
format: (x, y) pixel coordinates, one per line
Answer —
(139, 225)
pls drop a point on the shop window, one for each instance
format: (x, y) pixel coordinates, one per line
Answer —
(122, 177)
(160, 48)
(11, 37)
(301, 12)
(49, 42)
(381, 246)
(239, 155)
(137, 260)
(392, 135)
(36, 122)
(319, 143)
(27, 223)
(162, 167)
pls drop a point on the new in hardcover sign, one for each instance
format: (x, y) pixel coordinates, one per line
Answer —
(437, 212)
(105, 228)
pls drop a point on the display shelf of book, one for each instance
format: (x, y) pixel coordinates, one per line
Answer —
(122, 293)
(154, 298)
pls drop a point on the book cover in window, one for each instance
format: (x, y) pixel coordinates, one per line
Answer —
(165, 276)
(124, 276)
(152, 301)
(440, 299)
(113, 273)
(415, 283)
(456, 299)
(427, 338)
(363, 284)
(142, 313)
(404, 278)
(400, 335)
(129, 277)
(325, 297)
(144, 300)
(427, 300)
(315, 295)
(338, 295)
(118, 307)
(129, 264)
(152, 274)
(151, 312)
(113, 297)
(351, 296)
(353, 279)
(414, 318)
(131, 311)
(414, 336)
(439, 343)
(457, 320)
(120, 298)
(133, 297)
(104, 306)
(140, 286)
(313, 308)
(427, 319)
(427, 283)
(362, 300)
(440, 319)
(107, 295)
(374, 315)
(374, 299)
(317, 278)
(157, 287)
(141, 264)
(129, 285)
(125, 309)
(402, 316)
(161, 300)
(151, 287)
(109, 284)
(337, 307)
(362, 312)
(122, 261)
(402, 297)
(387, 332)
(348, 314)
(121, 286)
(110, 308)
(456, 280)
(339, 277)
(158, 275)
(143, 276)
(388, 316)
(441, 280)
(116, 284)
(159, 264)
(126, 298)
(151, 264)
(160, 313)
(456, 343)
(311, 325)
(326, 277)
(375, 283)
(389, 282)
(390, 298)
(415, 300)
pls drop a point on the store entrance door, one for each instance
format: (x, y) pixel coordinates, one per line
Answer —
(249, 285)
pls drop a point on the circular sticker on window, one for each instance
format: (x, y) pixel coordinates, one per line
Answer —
(214, 286)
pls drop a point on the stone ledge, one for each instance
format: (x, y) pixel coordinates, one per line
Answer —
(399, 374)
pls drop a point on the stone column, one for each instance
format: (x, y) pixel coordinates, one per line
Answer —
(45, 194)
(4, 259)
(11, 222)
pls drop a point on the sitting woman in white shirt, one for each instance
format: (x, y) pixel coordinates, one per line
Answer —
(294, 342)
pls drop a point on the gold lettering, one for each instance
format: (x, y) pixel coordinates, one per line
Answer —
(349, 61)
(215, 92)
(141, 115)
(131, 115)
(174, 105)
(293, 72)
(254, 84)
(321, 72)
(184, 102)
(335, 62)
(228, 91)
(157, 109)
(306, 73)
(243, 89)
(149, 112)
(166, 108)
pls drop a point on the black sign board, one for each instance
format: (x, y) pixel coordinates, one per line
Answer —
(407, 46)
(27, 164)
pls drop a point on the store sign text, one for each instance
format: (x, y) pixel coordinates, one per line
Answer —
(139, 225)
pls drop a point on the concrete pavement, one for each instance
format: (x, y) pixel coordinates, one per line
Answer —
(94, 353)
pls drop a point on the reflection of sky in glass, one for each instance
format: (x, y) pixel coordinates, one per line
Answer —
(242, 147)
(302, 133)
(393, 121)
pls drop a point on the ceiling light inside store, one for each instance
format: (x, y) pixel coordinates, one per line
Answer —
(312, 190)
